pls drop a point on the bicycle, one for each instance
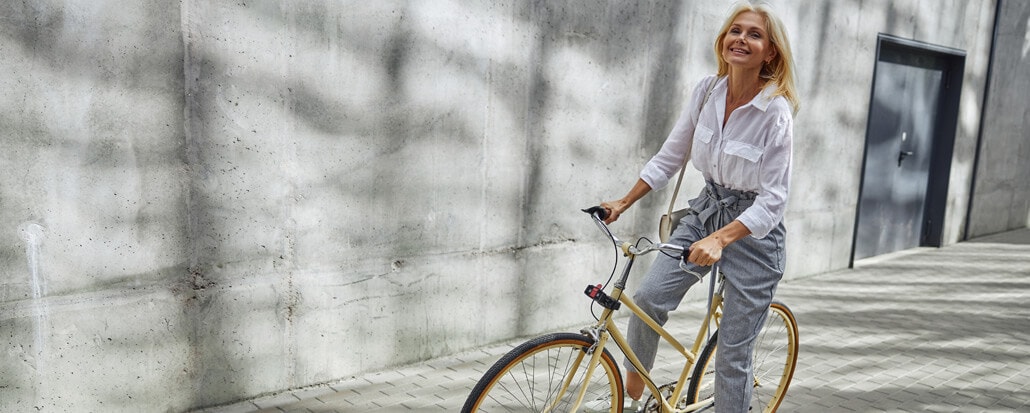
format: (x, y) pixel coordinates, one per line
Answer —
(558, 372)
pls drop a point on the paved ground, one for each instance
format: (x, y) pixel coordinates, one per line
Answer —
(927, 330)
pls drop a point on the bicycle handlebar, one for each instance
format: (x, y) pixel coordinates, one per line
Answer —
(599, 213)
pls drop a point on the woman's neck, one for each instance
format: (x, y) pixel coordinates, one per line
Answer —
(742, 85)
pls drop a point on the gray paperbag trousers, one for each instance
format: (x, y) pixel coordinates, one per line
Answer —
(752, 266)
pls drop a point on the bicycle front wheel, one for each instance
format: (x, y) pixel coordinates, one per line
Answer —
(773, 362)
(547, 374)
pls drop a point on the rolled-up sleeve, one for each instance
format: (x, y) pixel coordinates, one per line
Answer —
(774, 179)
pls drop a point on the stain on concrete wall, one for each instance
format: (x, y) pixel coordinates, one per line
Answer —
(91, 207)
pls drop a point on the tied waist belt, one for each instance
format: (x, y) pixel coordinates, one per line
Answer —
(718, 205)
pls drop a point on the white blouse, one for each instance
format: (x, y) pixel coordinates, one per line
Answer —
(752, 153)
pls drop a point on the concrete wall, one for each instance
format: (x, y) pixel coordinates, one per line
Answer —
(1002, 191)
(208, 201)
(93, 212)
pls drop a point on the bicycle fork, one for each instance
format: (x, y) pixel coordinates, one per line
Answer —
(599, 333)
(600, 339)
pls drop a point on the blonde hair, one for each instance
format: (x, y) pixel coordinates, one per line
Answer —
(781, 69)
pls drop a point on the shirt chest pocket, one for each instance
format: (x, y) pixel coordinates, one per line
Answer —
(702, 150)
(743, 150)
(703, 134)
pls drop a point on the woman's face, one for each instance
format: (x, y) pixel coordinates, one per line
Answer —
(746, 45)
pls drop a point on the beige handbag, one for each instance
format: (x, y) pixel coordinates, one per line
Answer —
(671, 219)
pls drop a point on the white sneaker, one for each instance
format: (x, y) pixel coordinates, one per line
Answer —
(604, 404)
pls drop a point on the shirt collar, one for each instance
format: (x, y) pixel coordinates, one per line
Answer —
(762, 100)
(765, 97)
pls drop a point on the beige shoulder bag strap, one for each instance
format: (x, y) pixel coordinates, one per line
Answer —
(672, 203)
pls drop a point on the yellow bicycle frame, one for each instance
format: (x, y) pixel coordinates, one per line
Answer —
(606, 327)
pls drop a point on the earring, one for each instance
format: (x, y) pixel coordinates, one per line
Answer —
(767, 71)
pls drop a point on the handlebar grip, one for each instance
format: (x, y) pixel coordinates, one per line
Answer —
(598, 211)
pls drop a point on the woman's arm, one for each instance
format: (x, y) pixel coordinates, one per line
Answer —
(670, 158)
(774, 179)
(618, 206)
(708, 250)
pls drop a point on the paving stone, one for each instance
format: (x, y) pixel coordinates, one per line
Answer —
(928, 330)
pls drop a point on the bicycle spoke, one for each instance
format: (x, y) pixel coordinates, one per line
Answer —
(550, 372)
(772, 363)
(535, 379)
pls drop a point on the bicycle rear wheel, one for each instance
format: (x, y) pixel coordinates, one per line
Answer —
(774, 360)
(530, 377)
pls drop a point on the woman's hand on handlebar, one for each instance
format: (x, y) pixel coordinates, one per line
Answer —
(708, 250)
(705, 252)
(615, 208)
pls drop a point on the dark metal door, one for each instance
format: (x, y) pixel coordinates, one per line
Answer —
(899, 145)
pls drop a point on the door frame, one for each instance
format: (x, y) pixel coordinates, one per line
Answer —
(943, 141)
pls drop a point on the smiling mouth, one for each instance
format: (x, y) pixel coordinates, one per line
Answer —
(739, 50)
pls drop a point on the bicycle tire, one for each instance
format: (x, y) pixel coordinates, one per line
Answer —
(528, 378)
(774, 360)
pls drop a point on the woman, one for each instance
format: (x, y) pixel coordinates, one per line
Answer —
(740, 140)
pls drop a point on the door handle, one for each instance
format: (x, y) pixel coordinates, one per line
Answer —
(903, 155)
